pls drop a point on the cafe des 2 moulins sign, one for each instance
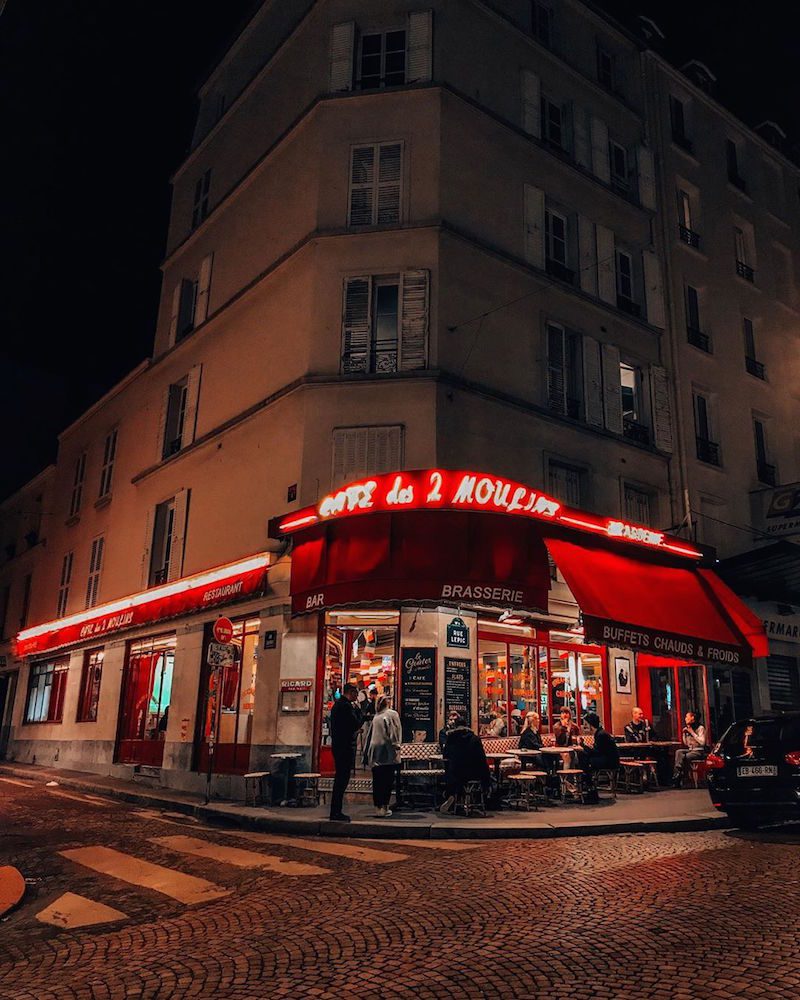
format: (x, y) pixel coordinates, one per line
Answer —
(458, 633)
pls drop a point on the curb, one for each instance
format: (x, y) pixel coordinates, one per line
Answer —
(253, 818)
(12, 888)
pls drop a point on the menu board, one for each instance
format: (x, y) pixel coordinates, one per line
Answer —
(457, 690)
(418, 694)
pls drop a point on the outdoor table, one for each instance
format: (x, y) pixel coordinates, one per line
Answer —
(497, 759)
(423, 774)
(565, 752)
(528, 756)
(658, 748)
(286, 762)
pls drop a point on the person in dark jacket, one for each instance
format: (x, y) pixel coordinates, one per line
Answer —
(603, 755)
(464, 760)
(346, 720)
(531, 736)
(638, 729)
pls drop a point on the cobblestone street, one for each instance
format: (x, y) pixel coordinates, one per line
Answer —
(215, 913)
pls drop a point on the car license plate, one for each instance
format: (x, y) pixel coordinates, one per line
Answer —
(757, 771)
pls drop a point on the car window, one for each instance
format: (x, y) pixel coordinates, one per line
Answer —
(743, 737)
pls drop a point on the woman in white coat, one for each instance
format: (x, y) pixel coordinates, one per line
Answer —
(382, 753)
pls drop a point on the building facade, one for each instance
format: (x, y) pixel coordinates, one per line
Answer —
(458, 236)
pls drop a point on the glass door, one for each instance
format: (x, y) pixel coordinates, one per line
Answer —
(146, 696)
(493, 709)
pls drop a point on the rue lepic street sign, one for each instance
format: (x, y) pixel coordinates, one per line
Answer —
(223, 630)
(458, 633)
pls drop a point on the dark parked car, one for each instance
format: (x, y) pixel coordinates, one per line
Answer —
(754, 770)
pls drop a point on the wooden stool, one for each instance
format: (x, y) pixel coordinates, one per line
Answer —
(605, 779)
(254, 786)
(471, 800)
(650, 773)
(697, 771)
(632, 775)
(572, 781)
(523, 790)
(308, 788)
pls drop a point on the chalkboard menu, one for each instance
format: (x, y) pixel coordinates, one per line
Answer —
(457, 687)
(418, 694)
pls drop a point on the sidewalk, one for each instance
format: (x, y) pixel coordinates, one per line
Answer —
(653, 812)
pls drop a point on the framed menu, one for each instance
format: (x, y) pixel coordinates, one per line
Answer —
(457, 688)
(418, 694)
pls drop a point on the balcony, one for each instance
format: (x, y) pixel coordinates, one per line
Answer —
(767, 474)
(689, 237)
(682, 140)
(755, 368)
(698, 339)
(560, 271)
(634, 431)
(159, 576)
(737, 181)
(707, 451)
(745, 271)
(629, 306)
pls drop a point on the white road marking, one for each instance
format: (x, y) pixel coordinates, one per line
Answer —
(71, 911)
(341, 850)
(87, 800)
(22, 784)
(236, 856)
(126, 868)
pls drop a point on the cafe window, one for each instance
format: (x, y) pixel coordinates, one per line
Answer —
(47, 685)
(146, 697)
(90, 685)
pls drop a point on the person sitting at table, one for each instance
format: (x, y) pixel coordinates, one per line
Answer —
(451, 723)
(566, 731)
(602, 755)
(464, 760)
(694, 748)
(638, 730)
(531, 737)
(497, 727)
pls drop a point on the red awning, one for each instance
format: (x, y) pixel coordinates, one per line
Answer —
(655, 608)
(746, 621)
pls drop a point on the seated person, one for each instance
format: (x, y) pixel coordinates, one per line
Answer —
(531, 737)
(603, 755)
(464, 760)
(638, 729)
(497, 726)
(451, 723)
(694, 748)
(566, 731)
(516, 721)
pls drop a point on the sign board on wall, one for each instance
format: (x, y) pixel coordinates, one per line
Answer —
(458, 633)
(296, 694)
(221, 654)
(779, 628)
(781, 510)
(418, 694)
(457, 689)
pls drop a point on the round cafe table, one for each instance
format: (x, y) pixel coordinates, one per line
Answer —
(528, 756)
(564, 752)
(286, 765)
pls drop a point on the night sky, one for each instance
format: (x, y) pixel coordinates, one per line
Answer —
(97, 101)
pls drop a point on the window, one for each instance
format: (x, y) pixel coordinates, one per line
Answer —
(686, 227)
(606, 68)
(753, 366)
(385, 323)
(742, 244)
(542, 23)
(90, 685)
(47, 684)
(190, 301)
(732, 158)
(77, 485)
(27, 582)
(95, 567)
(694, 334)
(553, 124)
(677, 117)
(186, 294)
(107, 472)
(166, 543)
(382, 61)
(564, 371)
(375, 176)
(618, 159)
(176, 417)
(625, 283)
(633, 426)
(556, 235)
(783, 678)
(365, 451)
(200, 202)
(764, 470)
(63, 587)
(707, 448)
(637, 504)
(564, 482)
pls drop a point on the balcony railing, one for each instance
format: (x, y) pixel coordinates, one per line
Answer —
(755, 367)
(629, 306)
(159, 576)
(682, 140)
(635, 431)
(745, 271)
(707, 451)
(172, 447)
(558, 270)
(698, 339)
(766, 473)
(689, 237)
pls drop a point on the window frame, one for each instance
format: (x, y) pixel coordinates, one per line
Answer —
(603, 54)
(621, 254)
(546, 103)
(78, 479)
(200, 199)
(382, 85)
(550, 239)
(89, 695)
(542, 14)
(107, 470)
(376, 185)
(163, 530)
(96, 556)
(641, 493)
(67, 564)
(621, 182)
(177, 401)
(56, 679)
(575, 489)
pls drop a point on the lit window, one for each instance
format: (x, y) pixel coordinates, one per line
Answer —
(90, 685)
(47, 685)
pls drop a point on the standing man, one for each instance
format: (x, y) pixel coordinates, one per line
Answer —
(638, 729)
(346, 720)
(694, 748)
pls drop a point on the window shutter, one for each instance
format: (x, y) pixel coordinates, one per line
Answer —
(148, 546)
(174, 310)
(601, 165)
(662, 408)
(362, 185)
(587, 250)
(414, 296)
(419, 64)
(178, 534)
(612, 388)
(592, 382)
(162, 425)
(343, 41)
(531, 104)
(192, 397)
(350, 448)
(606, 276)
(203, 287)
(384, 451)
(582, 140)
(390, 162)
(556, 375)
(534, 225)
(653, 291)
(356, 324)
(647, 177)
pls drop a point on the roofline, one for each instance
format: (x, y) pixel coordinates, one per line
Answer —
(123, 383)
(48, 470)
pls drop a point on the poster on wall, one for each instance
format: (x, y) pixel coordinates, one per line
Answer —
(622, 674)
(457, 691)
(418, 694)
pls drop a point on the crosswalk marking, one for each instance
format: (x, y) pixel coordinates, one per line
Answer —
(340, 850)
(236, 856)
(436, 845)
(87, 800)
(177, 885)
(71, 911)
(22, 784)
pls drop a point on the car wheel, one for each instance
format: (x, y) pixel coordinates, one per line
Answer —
(744, 819)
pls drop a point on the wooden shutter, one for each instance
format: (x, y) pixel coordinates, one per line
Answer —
(646, 170)
(343, 41)
(174, 310)
(653, 290)
(350, 452)
(534, 225)
(384, 449)
(147, 550)
(203, 288)
(606, 273)
(662, 408)
(592, 382)
(162, 424)
(601, 165)
(414, 299)
(178, 535)
(389, 179)
(192, 398)
(419, 61)
(556, 369)
(587, 252)
(612, 388)
(356, 313)
(362, 186)
(531, 103)
(582, 139)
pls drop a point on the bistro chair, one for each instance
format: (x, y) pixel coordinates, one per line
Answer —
(573, 784)
(697, 772)
(308, 793)
(421, 784)
(632, 775)
(605, 780)
(254, 787)
(525, 787)
(472, 800)
(650, 772)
